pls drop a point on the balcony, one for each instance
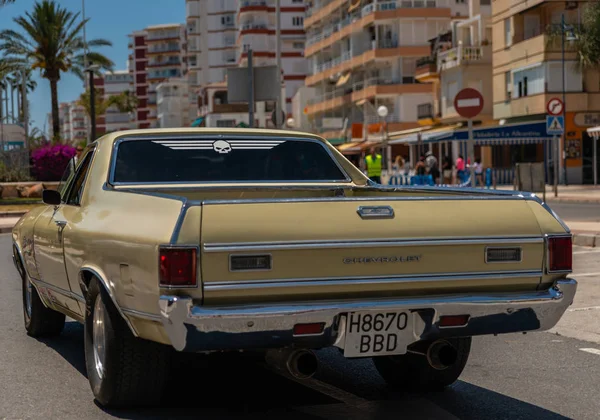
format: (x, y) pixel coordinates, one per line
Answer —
(425, 111)
(427, 70)
(460, 55)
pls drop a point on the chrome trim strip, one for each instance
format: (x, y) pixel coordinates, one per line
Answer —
(143, 315)
(396, 242)
(112, 297)
(533, 197)
(59, 290)
(180, 219)
(359, 199)
(372, 280)
(488, 248)
(197, 136)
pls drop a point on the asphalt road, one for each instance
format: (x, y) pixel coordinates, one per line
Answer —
(577, 212)
(534, 376)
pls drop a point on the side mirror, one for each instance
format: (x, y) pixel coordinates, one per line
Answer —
(51, 197)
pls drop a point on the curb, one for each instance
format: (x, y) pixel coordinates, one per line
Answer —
(12, 213)
(589, 239)
(5, 230)
(572, 200)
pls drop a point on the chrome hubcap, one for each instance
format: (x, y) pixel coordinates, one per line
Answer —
(99, 337)
(28, 287)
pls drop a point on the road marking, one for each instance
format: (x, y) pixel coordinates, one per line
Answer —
(593, 351)
(586, 274)
(589, 308)
(586, 252)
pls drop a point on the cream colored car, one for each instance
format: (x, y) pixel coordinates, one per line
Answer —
(210, 240)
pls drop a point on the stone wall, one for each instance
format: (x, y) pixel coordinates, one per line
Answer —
(25, 189)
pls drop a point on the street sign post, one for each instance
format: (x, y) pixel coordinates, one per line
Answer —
(468, 103)
(555, 106)
(555, 125)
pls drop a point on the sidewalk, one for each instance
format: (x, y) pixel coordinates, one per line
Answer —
(584, 194)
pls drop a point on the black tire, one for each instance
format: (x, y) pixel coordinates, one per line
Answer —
(412, 371)
(135, 371)
(39, 320)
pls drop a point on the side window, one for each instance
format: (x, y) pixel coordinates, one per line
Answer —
(76, 191)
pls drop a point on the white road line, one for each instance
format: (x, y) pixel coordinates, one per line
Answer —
(589, 308)
(593, 351)
(586, 274)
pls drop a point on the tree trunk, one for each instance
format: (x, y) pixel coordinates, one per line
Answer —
(55, 115)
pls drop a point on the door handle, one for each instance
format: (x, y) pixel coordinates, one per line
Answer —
(60, 223)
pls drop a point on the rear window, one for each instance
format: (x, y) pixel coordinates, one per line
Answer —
(233, 160)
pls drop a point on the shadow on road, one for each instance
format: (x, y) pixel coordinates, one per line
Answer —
(234, 385)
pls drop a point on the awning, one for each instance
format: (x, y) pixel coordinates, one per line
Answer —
(406, 136)
(356, 147)
(594, 132)
(491, 135)
(342, 80)
(198, 122)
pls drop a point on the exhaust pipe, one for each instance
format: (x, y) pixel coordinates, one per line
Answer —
(299, 363)
(441, 354)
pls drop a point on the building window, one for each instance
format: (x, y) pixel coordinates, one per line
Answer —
(528, 82)
(225, 123)
(298, 21)
(507, 33)
(460, 1)
(299, 45)
(227, 20)
(508, 85)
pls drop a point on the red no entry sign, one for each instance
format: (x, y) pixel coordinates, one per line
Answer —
(468, 103)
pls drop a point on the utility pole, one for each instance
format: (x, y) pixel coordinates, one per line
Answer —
(564, 97)
(92, 104)
(25, 106)
(280, 104)
(251, 88)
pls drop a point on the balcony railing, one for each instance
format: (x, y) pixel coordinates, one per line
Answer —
(367, 10)
(250, 26)
(356, 87)
(248, 3)
(459, 55)
(425, 111)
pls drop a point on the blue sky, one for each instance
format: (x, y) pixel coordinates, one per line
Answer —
(109, 19)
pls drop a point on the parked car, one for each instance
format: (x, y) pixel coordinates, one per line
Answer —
(212, 240)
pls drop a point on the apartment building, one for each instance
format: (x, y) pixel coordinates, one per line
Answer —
(528, 72)
(117, 83)
(363, 54)
(158, 53)
(173, 103)
(220, 34)
(74, 123)
(257, 32)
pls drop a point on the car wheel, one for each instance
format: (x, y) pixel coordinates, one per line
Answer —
(122, 370)
(39, 320)
(423, 372)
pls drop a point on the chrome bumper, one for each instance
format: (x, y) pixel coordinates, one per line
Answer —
(204, 328)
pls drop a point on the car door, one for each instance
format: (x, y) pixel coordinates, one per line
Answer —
(48, 237)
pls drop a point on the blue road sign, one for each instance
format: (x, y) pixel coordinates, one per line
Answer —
(555, 124)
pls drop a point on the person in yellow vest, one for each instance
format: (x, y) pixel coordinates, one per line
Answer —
(374, 162)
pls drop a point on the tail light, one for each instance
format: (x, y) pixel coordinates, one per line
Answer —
(560, 254)
(178, 266)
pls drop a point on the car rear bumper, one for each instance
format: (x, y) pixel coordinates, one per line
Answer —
(203, 329)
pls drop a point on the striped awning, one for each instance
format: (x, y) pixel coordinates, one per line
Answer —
(594, 132)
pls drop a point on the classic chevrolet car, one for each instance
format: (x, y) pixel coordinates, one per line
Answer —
(216, 240)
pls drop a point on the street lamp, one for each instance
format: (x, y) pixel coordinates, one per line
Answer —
(91, 69)
(382, 111)
(290, 122)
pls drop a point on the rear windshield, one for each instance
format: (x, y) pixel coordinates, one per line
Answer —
(188, 160)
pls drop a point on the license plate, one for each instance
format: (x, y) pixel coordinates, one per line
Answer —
(377, 333)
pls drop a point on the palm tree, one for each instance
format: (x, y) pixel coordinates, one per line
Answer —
(125, 101)
(52, 43)
(101, 103)
(5, 2)
(584, 39)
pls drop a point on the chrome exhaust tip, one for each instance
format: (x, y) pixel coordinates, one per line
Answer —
(441, 354)
(300, 363)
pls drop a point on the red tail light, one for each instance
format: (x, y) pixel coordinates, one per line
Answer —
(560, 254)
(178, 266)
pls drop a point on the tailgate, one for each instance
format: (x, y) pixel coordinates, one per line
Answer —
(325, 249)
